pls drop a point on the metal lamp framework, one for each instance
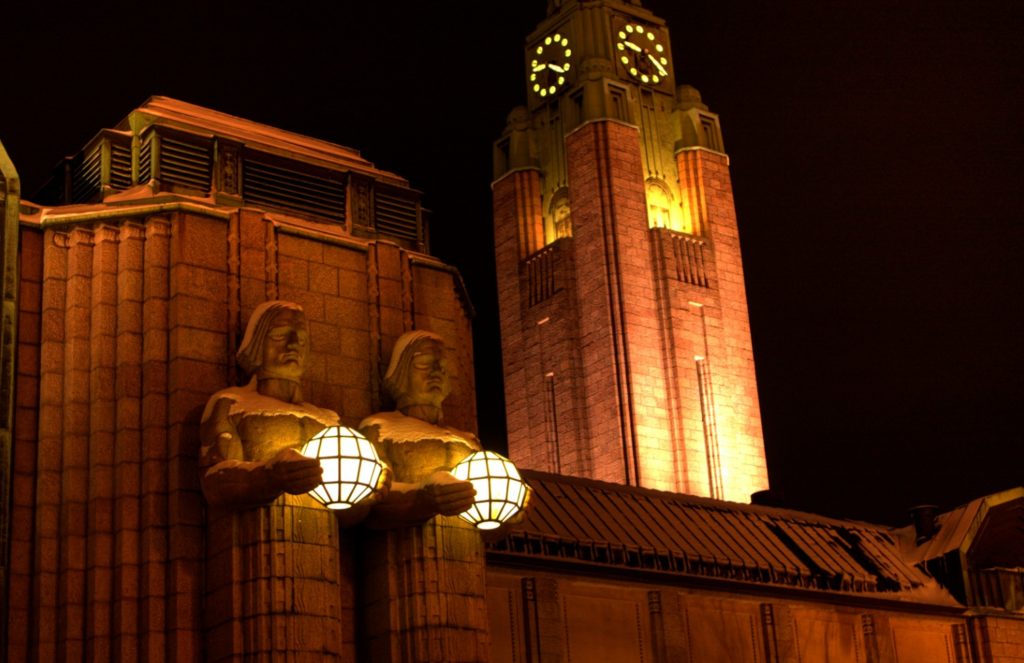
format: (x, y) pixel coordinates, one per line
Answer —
(351, 466)
(500, 491)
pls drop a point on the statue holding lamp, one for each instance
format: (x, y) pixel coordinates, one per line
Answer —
(272, 462)
(274, 580)
(437, 492)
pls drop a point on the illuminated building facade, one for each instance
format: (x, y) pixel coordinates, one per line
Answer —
(624, 326)
(126, 284)
(139, 264)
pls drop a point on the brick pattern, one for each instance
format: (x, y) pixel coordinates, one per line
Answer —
(274, 584)
(126, 329)
(623, 377)
(426, 594)
(601, 343)
(998, 638)
(702, 624)
(20, 617)
(547, 423)
(513, 207)
(622, 337)
(724, 333)
(155, 532)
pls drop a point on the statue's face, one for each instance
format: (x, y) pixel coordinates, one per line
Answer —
(286, 346)
(427, 382)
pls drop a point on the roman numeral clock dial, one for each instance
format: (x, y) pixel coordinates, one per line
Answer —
(549, 65)
(641, 54)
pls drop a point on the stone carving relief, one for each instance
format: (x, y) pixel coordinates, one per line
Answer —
(229, 170)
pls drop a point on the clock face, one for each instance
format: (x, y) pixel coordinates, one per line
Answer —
(549, 65)
(641, 53)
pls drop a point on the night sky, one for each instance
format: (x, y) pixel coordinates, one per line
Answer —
(877, 159)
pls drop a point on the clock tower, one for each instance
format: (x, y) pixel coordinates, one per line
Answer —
(625, 335)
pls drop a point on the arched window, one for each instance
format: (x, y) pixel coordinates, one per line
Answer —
(559, 218)
(662, 210)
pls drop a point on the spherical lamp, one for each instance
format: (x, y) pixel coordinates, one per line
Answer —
(500, 491)
(351, 466)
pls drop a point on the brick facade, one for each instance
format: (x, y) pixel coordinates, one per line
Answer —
(554, 616)
(127, 326)
(627, 348)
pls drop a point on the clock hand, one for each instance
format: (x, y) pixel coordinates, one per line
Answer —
(555, 67)
(540, 67)
(661, 70)
(631, 45)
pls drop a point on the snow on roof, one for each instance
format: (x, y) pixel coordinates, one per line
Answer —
(181, 114)
(956, 527)
(595, 523)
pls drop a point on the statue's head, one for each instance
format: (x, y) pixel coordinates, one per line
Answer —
(276, 342)
(418, 372)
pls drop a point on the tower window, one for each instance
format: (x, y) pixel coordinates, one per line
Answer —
(563, 220)
(558, 220)
(662, 210)
(711, 139)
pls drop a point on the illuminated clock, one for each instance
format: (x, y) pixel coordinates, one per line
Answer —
(549, 65)
(642, 55)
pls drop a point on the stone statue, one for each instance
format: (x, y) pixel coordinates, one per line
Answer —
(413, 441)
(275, 590)
(251, 434)
(423, 540)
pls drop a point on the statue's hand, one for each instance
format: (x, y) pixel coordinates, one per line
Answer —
(294, 473)
(446, 494)
(382, 489)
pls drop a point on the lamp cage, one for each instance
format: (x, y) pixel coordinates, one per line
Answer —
(500, 491)
(350, 464)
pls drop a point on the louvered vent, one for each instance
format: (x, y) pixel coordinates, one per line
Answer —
(120, 166)
(293, 190)
(185, 164)
(146, 160)
(85, 176)
(395, 215)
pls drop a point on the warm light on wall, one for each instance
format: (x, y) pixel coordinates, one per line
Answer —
(558, 218)
(351, 466)
(688, 215)
(662, 210)
(500, 491)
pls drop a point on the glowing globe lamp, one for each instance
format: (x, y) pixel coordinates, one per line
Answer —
(351, 466)
(500, 491)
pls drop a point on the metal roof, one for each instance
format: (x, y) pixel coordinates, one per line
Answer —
(173, 112)
(596, 523)
(956, 528)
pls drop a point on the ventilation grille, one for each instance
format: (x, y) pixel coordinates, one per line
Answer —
(293, 190)
(146, 160)
(185, 164)
(396, 216)
(541, 269)
(85, 176)
(120, 166)
(689, 260)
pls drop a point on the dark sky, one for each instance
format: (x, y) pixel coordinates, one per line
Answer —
(877, 161)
